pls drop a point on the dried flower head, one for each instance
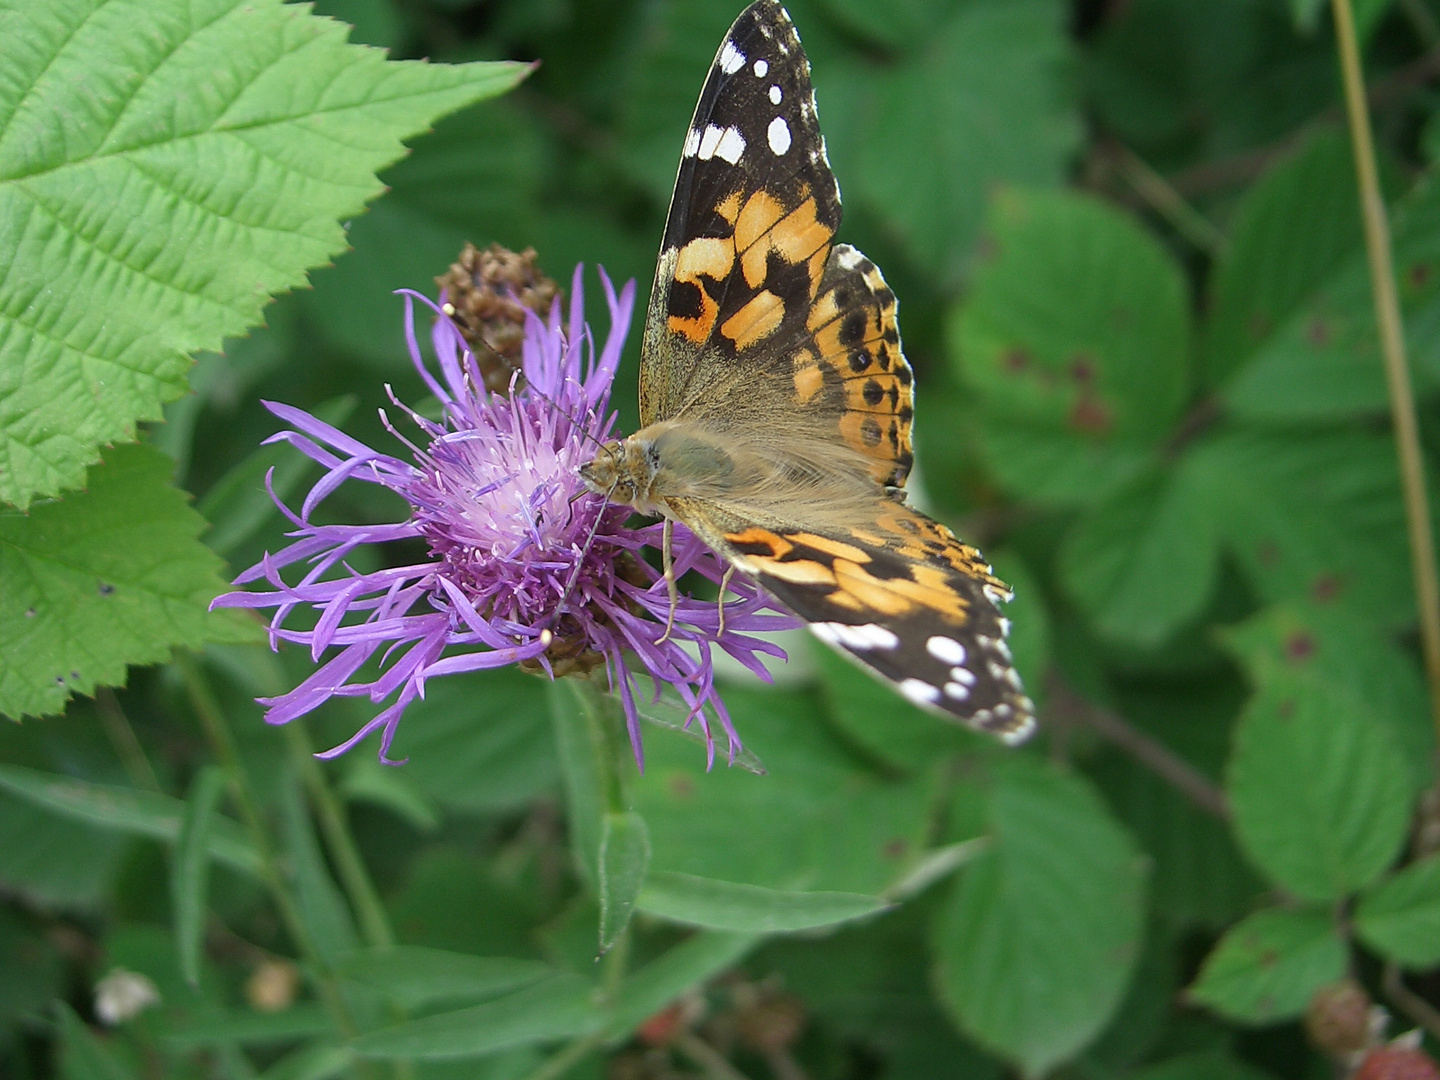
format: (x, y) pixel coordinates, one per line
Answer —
(525, 565)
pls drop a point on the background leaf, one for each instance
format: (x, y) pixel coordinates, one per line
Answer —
(169, 222)
(1267, 967)
(1400, 916)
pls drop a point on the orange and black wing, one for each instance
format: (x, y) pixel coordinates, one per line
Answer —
(907, 599)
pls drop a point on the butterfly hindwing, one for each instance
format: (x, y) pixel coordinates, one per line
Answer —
(906, 599)
(752, 219)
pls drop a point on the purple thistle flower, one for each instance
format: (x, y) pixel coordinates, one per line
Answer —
(526, 564)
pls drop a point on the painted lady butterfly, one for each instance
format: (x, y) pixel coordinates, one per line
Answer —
(777, 404)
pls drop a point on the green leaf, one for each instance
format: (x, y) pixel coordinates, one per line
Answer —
(55, 861)
(1400, 917)
(366, 780)
(322, 909)
(1320, 794)
(413, 976)
(1075, 332)
(1145, 561)
(1321, 360)
(122, 809)
(559, 1008)
(980, 105)
(645, 992)
(82, 1055)
(726, 905)
(190, 872)
(206, 160)
(832, 825)
(1267, 968)
(107, 577)
(624, 858)
(1294, 507)
(482, 742)
(1038, 942)
(1292, 229)
(319, 1061)
(219, 1027)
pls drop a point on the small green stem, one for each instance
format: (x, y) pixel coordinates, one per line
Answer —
(1392, 344)
(222, 741)
(369, 910)
(126, 743)
(566, 1059)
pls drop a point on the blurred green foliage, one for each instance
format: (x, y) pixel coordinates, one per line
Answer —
(1126, 240)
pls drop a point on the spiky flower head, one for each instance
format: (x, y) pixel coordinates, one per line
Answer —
(525, 565)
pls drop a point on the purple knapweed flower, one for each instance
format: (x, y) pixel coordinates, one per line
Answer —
(526, 565)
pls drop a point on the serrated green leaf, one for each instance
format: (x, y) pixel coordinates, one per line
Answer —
(624, 859)
(559, 1008)
(1038, 942)
(1076, 327)
(1320, 794)
(106, 577)
(1267, 968)
(174, 165)
(1314, 350)
(128, 810)
(691, 963)
(1400, 917)
(1293, 506)
(82, 1056)
(190, 871)
(979, 105)
(413, 976)
(728, 905)
(1146, 560)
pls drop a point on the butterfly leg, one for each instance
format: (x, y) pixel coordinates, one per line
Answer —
(720, 603)
(667, 559)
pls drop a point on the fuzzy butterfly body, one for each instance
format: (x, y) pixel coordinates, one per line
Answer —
(777, 404)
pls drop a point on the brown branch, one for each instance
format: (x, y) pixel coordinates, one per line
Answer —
(1150, 752)
(1415, 1007)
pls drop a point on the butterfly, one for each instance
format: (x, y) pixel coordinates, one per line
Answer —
(776, 402)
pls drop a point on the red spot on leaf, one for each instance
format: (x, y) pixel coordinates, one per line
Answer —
(1286, 709)
(1082, 368)
(1299, 646)
(1419, 274)
(1318, 332)
(1091, 415)
(1016, 359)
(1325, 588)
(1267, 552)
(896, 849)
(1260, 324)
(682, 787)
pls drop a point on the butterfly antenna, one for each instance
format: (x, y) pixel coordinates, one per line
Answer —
(584, 551)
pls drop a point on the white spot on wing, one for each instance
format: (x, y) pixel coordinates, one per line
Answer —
(779, 135)
(730, 146)
(861, 638)
(921, 693)
(963, 675)
(692, 142)
(945, 649)
(709, 141)
(956, 691)
(731, 58)
(775, 95)
(761, 69)
(848, 257)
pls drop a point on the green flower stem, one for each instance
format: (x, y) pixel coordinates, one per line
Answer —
(1167, 202)
(610, 742)
(1392, 345)
(369, 910)
(364, 899)
(222, 741)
